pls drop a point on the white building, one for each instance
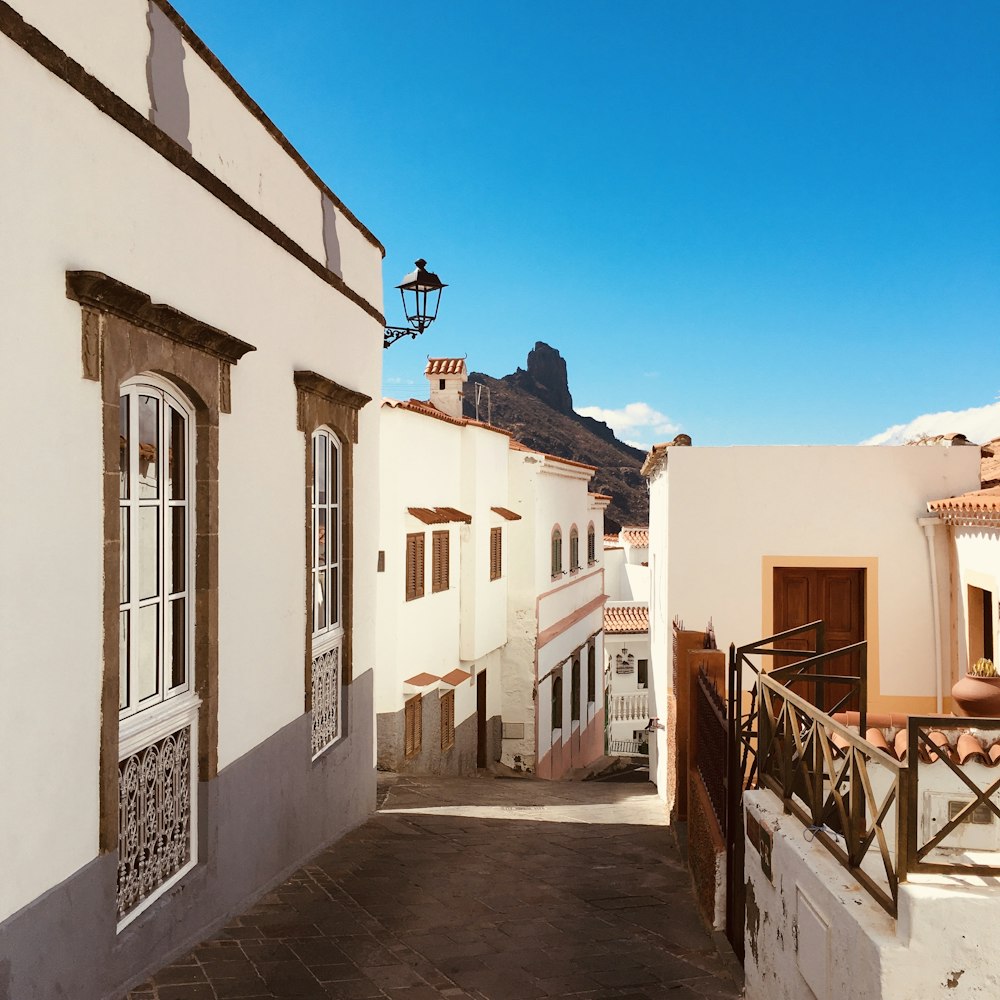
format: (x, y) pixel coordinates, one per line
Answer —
(801, 533)
(553, 697)
(203, 316)
(444, 562)
(626, 618)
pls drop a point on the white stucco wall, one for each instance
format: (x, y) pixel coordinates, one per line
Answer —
(627, 684)
(427, 462)
(813, 931)
(89, 195)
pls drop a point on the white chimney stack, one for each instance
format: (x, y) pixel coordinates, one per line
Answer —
(447, 377)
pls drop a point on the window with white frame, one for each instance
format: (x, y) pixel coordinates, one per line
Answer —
(154, 516)
(326, 583)
(158, 710)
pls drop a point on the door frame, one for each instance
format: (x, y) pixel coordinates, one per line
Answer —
(867, 563)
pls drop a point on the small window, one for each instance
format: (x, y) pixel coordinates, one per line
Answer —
(496, 553)
(574, 707)
(441, 383)
(556, 552)
(447, 720)
(591, 545)
(414, 565)
(413, 724)
(642, 675)
(592, 672)
(440, 558)
(574, 550)
(557, 703)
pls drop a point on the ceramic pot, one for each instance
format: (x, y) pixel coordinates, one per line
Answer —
(977, 697)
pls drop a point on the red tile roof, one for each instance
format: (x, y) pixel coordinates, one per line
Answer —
(438, 515)
(518, 446)
(611, 538)
(978, 505)
(456, 676)
(629, 618)
(506, 514)
(429, 410)
(889, 734)
(639, 537)
(422, 680)
(445, 366)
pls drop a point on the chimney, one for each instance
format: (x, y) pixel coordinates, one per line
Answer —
(447, 382)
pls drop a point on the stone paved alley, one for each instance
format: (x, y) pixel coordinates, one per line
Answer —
(474, 888)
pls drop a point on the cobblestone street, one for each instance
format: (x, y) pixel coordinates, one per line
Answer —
(473, 888)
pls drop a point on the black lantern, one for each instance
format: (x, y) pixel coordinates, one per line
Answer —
(420, 291)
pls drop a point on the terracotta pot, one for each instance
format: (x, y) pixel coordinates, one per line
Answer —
(977, 697)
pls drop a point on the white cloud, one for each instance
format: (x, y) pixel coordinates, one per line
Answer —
(979, 424)
(638, 424)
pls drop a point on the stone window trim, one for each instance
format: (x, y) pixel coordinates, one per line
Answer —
(124, 335)
(321, 402)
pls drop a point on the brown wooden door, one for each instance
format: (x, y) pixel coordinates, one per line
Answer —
(837, 596)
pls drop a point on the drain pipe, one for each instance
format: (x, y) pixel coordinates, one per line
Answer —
(930, 524)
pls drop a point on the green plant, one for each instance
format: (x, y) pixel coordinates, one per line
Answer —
(983, 668)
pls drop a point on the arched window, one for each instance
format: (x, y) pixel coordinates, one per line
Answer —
(158, 710)
(591, 545)
(592, 671)
(574, 708)
(557, 700)
(556, 552)
(326, 580)
(574, 549)
(156, 554)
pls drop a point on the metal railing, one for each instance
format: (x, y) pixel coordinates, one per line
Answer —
(872, 812)
(709, 745)
(628, 748)
(832, 788)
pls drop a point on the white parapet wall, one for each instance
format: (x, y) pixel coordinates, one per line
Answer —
(812, 931)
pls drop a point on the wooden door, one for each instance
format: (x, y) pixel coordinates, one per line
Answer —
(804, 594)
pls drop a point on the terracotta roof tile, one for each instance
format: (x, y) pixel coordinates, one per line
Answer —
(951, 742)
(429, 410)
(508, 515)
(978, 505)
(519, 446)
(422, 680)
(638, 537)
(601, 496)
(438, 515)
(613, 539)
(445, 366)
(627, 618)
(456, 676)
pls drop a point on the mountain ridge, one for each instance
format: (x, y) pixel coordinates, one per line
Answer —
(536, 406)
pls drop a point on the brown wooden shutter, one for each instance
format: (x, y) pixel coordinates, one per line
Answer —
(414, 565)
(447, 720)
(413, 726)
(440, 554)
(496, 552)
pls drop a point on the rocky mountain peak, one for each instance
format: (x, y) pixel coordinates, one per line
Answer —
(546, 378)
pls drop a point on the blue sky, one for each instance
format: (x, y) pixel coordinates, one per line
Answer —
(757, 222)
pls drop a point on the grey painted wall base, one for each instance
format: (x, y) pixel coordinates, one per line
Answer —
(259, 820)
(459, 760)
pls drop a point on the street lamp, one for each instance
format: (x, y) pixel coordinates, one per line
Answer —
(420, 291)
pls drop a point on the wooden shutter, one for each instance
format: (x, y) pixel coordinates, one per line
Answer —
(440, 555)
(447, 720)
(413, 726)
(414, 565)
(496, 553)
